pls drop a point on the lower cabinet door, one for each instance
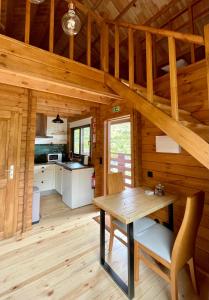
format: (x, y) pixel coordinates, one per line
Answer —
(58, 179)
(43, 185)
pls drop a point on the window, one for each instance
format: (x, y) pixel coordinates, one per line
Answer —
(81, 140)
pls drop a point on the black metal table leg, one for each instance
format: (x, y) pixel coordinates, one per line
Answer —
(102, 237)
(127, 289)
(130, 236)
(170, 216)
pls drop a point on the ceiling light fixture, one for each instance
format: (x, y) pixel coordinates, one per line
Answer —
(58, 120)
(37, 1)
(71, 23)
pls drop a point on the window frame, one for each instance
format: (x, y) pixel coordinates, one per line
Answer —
(80, 140)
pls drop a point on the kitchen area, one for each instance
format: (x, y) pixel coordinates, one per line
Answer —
(62, 163)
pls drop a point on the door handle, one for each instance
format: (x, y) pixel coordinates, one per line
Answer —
(11, 172)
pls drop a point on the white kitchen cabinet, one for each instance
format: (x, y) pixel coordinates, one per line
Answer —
(44, 177)
(77, 190)
(58, 178)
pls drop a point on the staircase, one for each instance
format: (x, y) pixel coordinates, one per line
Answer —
(177, 123)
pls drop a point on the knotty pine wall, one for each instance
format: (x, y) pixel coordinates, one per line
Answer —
(181, 173)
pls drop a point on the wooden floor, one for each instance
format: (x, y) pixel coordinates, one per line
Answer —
(59, 259)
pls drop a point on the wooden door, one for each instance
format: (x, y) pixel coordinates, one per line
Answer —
(10, 140)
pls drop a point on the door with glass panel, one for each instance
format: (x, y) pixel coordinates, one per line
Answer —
(119, 148)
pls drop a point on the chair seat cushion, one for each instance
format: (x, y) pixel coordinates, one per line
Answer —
(158, 239)
(140, 225)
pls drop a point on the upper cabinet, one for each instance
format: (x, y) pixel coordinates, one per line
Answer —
(57, 130)
(48, 132)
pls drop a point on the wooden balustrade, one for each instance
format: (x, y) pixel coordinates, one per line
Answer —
(149, 65)
(88, 41)
(51, 26)
(151, 36)
(117, 55)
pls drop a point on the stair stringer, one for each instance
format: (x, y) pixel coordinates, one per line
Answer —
(186, 138)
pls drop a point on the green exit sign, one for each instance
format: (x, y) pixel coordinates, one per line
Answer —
(116, 108)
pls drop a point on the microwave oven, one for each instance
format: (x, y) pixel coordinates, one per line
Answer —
(54, 157)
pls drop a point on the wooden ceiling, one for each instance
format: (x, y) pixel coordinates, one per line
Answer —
(156, 13)
(172, 14)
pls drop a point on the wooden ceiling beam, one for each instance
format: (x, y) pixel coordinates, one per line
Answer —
(53, 103)
(57, 108)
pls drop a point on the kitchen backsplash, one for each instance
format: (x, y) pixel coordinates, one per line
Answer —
(46, 149)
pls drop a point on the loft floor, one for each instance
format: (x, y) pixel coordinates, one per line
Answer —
(59, 259)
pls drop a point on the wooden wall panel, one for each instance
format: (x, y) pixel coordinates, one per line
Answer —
(181, 173)
(106, 113)
(192, 89)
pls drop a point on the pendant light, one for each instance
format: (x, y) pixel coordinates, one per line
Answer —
(37, 1)
(71, 23)
(58, 120)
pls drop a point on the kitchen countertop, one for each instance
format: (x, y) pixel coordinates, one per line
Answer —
(67, 165)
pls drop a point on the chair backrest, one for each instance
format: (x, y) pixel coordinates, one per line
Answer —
(184, 245)
(115, 183)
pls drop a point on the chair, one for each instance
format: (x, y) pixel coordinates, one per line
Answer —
(174, 254)
(115, 183)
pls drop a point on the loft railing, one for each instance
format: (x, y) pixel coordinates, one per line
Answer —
(150, 34)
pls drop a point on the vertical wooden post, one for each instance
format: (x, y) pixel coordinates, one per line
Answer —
(131, 57)
(88, 46)
(27, 21)
(51, 27)
(154, 56)
(71, 46)
(173, 78)
(139, 64)
(117, 53)
(206, 38)
(29, 162)
(105, 48)
(191, 21)
(149, 64)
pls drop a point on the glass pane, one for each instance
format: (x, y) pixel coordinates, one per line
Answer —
(76, 139)
(85, 141)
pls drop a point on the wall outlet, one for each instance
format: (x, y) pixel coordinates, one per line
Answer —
(149, 174)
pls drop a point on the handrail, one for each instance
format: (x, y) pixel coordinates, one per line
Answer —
(186, 37)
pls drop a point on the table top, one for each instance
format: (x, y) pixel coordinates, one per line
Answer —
(133, 204)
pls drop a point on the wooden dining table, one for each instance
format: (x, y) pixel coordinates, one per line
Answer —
(129, 206)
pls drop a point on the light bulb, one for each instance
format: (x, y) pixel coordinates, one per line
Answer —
(71, 23)
(37, 1)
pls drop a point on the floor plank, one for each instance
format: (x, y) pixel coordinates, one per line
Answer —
(59, 260)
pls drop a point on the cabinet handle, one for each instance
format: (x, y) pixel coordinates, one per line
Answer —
(42, 182)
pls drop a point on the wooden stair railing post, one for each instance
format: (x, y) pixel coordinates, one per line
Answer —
(71, 47)
(149, 66)
(131, 57)
(191, 21)
(117, 55)
(27, 21)
(105, 47)
(173, 78)
(88, 46)
(206, 37)
(51, 26)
